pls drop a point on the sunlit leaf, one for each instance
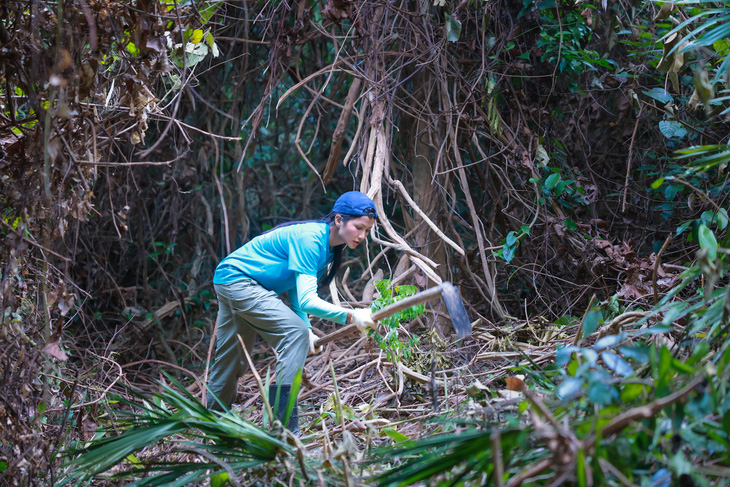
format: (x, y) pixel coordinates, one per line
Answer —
(196, 36)
(590, 355)
(570, 387)
(617, 364)
(707, 240)
(132, 49)
(210, 41)
(219, 480)
(395, 435)
(631, 391)
(563, 355)
(609, 341)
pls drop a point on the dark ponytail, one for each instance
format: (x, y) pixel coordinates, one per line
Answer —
(334, 267)
(336, 251)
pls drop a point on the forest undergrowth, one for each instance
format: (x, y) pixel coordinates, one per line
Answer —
(563, 163)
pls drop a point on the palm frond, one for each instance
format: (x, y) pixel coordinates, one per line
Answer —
(219, 441)
(463, 455)
(705, 157)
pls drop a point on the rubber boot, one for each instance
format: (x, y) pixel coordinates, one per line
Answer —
(284, 391)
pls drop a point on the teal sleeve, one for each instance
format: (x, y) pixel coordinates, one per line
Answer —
(304, 299)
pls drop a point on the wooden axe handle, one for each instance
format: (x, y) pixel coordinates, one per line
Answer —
(392, 309)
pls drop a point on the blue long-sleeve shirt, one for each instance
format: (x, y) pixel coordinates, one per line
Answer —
(288, 259)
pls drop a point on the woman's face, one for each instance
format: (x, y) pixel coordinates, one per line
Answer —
(353, 231)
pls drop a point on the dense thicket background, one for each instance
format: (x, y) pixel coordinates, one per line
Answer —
(530, 152)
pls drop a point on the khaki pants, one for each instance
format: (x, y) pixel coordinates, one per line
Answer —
(247, 309)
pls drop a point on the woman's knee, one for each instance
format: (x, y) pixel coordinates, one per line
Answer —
(302, 333)
(296, 339)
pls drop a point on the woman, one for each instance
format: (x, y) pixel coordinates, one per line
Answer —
(290, 258)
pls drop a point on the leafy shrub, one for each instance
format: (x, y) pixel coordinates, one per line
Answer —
(391, 343)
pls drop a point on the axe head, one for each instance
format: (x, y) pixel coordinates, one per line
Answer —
(455, 307)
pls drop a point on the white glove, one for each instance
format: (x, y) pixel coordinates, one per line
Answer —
(312, 339)
(363, 319)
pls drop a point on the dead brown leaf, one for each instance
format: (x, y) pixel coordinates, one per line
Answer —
(54, 350)
(88, 426)
(514, 383)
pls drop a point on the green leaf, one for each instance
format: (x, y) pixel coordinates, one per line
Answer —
(720, 218)
(570, 224)
(580, 469)
(453, 28)
(219, 480)
(3, 466)
(132, 49)
(508, 252)
(208, 10)
(570, 387)
(671, 191)
(657, 183)
(638, 353)
(552, 181)
(602, 393)
(394, 435)
(564, 354)
(592, 320)
(680, 229)
(659, 94)
(632, 391)
(525, 229)
(670, 128)
(681, 367)
(701, 350)
(210, 41)
(707, 240)
(617, 364)
(609, 341)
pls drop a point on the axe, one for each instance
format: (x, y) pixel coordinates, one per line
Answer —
(450, 295)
